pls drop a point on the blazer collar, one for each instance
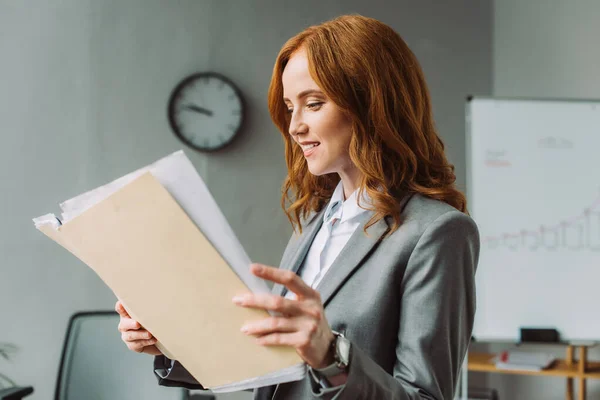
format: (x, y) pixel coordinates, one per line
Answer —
(353, 254)
(351, 257)
(349, 260)
(358, 247)
(298, 254)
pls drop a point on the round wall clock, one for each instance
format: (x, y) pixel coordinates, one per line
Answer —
(206, 111)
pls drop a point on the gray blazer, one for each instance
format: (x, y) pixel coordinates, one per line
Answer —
(406, 302)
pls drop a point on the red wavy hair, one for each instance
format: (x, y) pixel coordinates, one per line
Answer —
(368, 71)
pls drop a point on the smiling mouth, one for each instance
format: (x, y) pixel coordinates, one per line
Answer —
(309, 149)
(306, 147)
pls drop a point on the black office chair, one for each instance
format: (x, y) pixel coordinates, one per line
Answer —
(15, 393)
(12, 392)
(95, 364)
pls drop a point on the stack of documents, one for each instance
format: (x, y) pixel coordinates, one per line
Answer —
(159, 241)
(524, 360)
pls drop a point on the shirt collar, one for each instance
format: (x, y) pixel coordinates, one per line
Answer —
(345, 210)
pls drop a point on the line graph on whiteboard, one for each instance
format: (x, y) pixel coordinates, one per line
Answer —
(578, 233)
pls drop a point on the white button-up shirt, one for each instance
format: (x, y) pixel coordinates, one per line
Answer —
(339, 223)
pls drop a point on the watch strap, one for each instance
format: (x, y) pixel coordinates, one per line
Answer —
(337, 367)
(330, 370)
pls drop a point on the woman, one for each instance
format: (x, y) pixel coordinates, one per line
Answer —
(376, 286)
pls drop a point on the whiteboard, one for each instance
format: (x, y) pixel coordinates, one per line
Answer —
(533, 187)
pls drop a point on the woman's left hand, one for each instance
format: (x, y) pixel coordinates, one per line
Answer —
(301, 322)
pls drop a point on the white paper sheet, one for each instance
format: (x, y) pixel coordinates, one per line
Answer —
(178, 175)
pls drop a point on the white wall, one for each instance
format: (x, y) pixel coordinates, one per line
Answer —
(545, 49)
(84, 86)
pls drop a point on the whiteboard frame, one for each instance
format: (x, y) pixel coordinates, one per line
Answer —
(469, 193)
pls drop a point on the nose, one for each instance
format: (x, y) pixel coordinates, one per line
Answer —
(297, 125)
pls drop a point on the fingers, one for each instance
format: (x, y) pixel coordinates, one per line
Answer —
(142, 346)
(300, 340)
(270, 325)
(278, 304)
(140, 341)
(121, 310)
(126, 324)
(133, 336)
(285, 277)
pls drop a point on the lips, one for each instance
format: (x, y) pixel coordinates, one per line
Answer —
(309, 145)
(309, 148)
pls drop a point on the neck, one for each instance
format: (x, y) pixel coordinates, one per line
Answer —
(350, 181)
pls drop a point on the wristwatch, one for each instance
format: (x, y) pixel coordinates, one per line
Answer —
(340, 346)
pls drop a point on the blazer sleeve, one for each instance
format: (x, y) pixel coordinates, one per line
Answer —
(436, 320)
(172, 373)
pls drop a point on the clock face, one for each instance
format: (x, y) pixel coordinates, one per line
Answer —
(206, 111)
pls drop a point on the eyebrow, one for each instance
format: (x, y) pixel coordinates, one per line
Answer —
(306, 93)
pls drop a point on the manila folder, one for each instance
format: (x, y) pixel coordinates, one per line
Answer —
(172, 281)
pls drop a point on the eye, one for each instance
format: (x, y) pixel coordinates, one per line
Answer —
(314, 105)
(289, 110)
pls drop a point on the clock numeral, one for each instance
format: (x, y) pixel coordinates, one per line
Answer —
(206, 80)
(231, 127)
(221, 139)
(205, 143)
(221, 85)
(231, 97)
(236, 112)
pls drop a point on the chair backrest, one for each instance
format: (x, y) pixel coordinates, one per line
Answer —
(96, 364)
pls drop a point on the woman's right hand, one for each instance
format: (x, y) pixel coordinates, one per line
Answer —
(134, 335)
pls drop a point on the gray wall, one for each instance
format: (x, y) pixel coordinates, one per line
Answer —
(545, 49)
(84, 88)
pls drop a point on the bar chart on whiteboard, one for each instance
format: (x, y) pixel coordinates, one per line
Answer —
(534, 190)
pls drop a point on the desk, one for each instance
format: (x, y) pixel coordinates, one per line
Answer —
(568, 368)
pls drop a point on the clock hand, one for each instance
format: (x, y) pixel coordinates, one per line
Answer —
(197, 109)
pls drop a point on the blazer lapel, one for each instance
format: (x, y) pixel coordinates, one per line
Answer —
(298, 253)
(358, 247)
(350, 258)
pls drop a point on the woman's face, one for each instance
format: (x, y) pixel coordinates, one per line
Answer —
(316, 123)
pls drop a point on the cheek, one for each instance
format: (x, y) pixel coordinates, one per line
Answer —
(337, 151)
(342, 141)
(335, 145)
(335, 132)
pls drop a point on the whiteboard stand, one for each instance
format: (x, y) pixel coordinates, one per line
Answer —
(583, 369)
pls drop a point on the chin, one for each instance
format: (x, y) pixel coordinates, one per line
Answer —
(316, 170)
